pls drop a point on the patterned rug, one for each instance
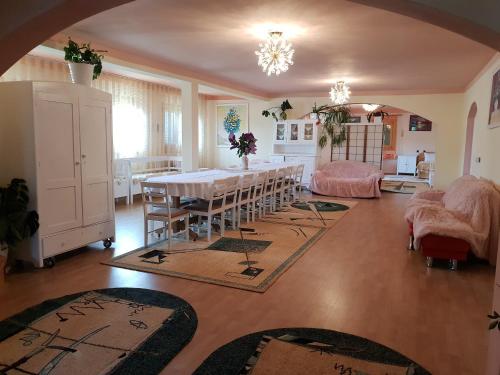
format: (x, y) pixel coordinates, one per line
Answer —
(108, 331)
(403, 187)
(295, 351)
(250, 258)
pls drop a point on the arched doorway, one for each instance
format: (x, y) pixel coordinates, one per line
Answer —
(469, 136)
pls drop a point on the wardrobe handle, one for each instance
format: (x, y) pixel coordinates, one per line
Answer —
(77, 163)
(84, 156)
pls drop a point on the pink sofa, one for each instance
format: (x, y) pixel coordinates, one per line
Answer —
(467, 212)
(347, 178)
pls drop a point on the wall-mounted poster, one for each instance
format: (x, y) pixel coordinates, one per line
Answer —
(420, 124)
(494, 118)
(230, 118)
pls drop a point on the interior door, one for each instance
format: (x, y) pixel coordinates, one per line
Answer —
(96, 156)
(58, 162)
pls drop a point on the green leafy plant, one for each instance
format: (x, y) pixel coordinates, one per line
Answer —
(16, 222)
(281, 109)
(376, 113)
(84, 54)
(495, 321)
(332, 119)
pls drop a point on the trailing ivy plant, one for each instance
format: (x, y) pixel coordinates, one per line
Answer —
(495, 321)
(84, 54)
(332, 119)
(16, 221)
(376, 113)
(281, 109)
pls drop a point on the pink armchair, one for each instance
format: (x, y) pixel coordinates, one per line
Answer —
(346, 178)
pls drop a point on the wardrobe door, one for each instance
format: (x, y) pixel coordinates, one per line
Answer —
(58, 162)
(96, 155)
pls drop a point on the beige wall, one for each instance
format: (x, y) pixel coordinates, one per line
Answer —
(445, 110)
(486, 141)
(409, 142)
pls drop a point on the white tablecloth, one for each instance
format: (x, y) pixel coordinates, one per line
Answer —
(199, 184)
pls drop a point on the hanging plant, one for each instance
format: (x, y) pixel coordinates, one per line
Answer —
(332, 120)
(281, 109)
(232, 121)
(376, 113)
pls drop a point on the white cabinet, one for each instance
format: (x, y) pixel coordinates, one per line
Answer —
(58, 137)
(295, 132)
(407, 164)
(309, 162)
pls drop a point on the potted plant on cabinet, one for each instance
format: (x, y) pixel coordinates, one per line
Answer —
(85, 63)
(282, 111)
(244, 146)
(16, 221)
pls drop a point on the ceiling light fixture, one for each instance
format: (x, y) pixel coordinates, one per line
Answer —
(340, 93)
(370, 107)
(276, 54)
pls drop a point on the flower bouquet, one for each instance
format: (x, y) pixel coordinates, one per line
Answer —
(244, 146)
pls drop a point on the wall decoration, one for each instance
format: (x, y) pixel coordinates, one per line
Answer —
(494, 115)
(418, 123)
(231, 118)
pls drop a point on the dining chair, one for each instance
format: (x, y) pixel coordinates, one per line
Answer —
(279, 188)
(258, 193)
(268, 193)
(296, 186)
(223, 197)
(287, 183)
(247, 184)
(156, 205)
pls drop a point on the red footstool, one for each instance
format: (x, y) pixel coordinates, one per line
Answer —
(441, 247)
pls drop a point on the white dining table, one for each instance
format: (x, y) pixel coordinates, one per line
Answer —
(199, 184)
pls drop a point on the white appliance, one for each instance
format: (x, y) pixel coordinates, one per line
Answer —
(407, 164)
(58, 137)
(296, 141)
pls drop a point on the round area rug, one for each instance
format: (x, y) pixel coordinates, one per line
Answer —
(320, 206)
(306, 350)
(106, 331)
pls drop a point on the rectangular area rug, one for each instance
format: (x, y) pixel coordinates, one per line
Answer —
(250, 258)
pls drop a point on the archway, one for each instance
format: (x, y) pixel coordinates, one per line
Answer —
(469, 136)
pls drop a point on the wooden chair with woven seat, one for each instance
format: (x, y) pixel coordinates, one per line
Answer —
(156, 205)
(223, 197)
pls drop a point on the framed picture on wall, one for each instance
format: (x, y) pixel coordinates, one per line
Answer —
(419, 124)
(494, 115)
(230, 118)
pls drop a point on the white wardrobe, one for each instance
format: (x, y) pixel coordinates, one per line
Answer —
(58, 137)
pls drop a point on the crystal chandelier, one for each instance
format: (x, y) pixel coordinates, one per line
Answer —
(340, 93)
(276, 54)
(370, 107)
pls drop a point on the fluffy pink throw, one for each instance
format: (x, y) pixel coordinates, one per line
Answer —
(347, 178)
(468, 210)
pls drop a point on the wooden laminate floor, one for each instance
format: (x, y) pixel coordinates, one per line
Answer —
(359, 278)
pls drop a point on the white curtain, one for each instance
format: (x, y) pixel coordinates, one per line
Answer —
(202, 130)
(146, 116)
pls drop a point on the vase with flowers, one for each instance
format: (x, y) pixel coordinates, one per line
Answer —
(245, 145)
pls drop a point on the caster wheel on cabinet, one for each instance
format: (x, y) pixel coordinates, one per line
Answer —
(49, 262)
(107, 243)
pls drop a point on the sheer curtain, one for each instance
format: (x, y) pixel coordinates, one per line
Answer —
(146, 116)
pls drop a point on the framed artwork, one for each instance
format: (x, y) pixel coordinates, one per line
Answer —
(419, 124)
(308, 131)
(494, 115)
(294, 132)
(280, 135)
(231, 118)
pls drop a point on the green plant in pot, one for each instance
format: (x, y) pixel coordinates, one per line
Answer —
(16, 221)
(332, 120)
(376, 114)
(85, 63)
